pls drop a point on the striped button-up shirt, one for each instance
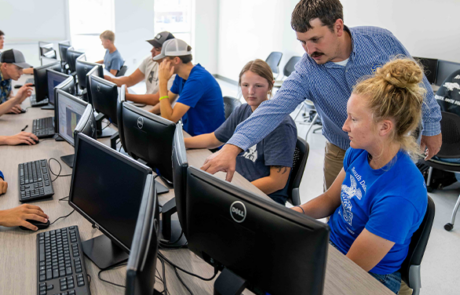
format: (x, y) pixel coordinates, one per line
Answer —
(329, 86)
(5, 88)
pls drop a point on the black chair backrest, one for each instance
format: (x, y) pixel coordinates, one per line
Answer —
(122, 71)
(450, 129)
(419, 241)
(302, 149)
(290, 66)
(273, 60)
(230, 104)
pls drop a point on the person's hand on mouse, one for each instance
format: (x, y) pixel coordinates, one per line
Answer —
(24, 92)
(3, 186)
(18, 216)
(21, 137)
(16, 109)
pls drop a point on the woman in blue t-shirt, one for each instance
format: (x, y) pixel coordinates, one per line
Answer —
(379, 198)
(267, 165)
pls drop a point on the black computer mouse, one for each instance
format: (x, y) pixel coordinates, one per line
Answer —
(38, 224)
(22, 112)
(36, 142)
(17, 86)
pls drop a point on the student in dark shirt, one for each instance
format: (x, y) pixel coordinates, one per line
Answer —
(267, 164)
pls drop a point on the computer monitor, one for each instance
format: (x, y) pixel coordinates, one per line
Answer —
(67, 86)
(46, 50)
(141, 268)
(63, 46)
(53, 79)
(430, 66)
(83, 67)
(107, 188)
(173, 231)
(104, 97)
(147, 137)
(445, 69)
(41, 83)
(265, 246)
(71, 59)
(97, 71)
(71, 112)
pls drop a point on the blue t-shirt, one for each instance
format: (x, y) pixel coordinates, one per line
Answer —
(389, 202)
(202, 94)
(113, 61)
(277, 149)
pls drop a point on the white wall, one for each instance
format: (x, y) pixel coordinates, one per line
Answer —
(205, 34)
(133, 26)
(253, 29)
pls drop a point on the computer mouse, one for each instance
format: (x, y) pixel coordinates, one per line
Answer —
(36, 142)
(17, 86)
(11, 113)
(38, 224)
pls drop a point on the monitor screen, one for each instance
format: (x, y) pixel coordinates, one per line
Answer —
(70, 111)
(107, 188)
(275, 249)
(54, 79)
(445, 69)
(430, 67)
(41, 83)
(63, 50)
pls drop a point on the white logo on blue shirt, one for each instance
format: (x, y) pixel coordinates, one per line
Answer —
(251, 154)
(346, 195)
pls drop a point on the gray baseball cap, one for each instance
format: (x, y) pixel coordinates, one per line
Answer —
(13, 56)
(173, 47)
(160, 38)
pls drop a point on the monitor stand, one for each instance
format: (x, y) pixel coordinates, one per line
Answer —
(57, 137)
(48, 107)
(229, 283)
(160, 188)
(171, 229)
(102, 133)
(103, 252)
(68, 160)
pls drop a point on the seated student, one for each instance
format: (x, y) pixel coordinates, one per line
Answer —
(148, 70)
(112, 58)
(266, 165)
(29, 70)
(200, 105)
(18, 216)
(379, 198)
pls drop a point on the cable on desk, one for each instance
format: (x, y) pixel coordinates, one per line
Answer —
(165, 287)
(110, 268)
(64, 199)
(187, 272)
(63, 217)
(182, 282)
(167, 244)
(60, 169)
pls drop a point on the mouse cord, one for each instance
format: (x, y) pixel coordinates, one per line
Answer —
(65, 216)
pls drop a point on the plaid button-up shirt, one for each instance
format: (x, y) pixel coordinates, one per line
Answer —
(5, 88)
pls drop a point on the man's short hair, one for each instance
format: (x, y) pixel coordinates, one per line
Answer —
(328, 11)
(109, 35)
(185, 58)
(1, 33)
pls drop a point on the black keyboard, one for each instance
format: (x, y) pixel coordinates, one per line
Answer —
(34, 181)
(34, 103)
(61, 266)
(43, 127)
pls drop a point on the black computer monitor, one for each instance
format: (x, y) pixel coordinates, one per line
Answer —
(41, 83)
(67, 86)
(83, 67)
(70, 112)
(147, 137)
(173, 231)
(430, 66)
(445, 69)
(107, 189)
(97, 71)
(71, 59)
(105, 97)
(265, 246)
(63, 46)
(46, 50)
(141, 268)
(53, 79)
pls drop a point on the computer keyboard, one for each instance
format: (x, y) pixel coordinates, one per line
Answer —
(34, 181)
(60, 261)
(34, 103)
(43, 127)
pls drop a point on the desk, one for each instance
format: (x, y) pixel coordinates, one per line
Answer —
(18, 248)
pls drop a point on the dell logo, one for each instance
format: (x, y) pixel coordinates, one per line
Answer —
(140, 122)
(238, 211)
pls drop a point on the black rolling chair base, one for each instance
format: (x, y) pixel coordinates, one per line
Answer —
(448, 226)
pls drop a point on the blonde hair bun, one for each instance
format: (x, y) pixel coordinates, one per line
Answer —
(401, 73)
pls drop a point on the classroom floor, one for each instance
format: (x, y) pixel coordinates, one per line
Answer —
(440, 266)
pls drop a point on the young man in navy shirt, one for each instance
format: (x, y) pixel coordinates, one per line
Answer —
(200, 105)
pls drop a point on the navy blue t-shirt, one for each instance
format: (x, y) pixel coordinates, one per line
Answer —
(202, 94)
(389, 202)
(277, 149)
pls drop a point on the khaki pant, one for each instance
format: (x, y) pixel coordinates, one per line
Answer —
(333, 163)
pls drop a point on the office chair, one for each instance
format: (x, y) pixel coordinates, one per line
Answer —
(302, 149)
(450, 148)
(290, 66)
(230, 104)
(122, 71)
(273, 60)
(410, 268)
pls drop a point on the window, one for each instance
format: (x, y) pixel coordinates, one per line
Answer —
(174, 16)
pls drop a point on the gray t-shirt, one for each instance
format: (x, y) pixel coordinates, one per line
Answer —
(277, 149)
(150, 68)
(113, 61)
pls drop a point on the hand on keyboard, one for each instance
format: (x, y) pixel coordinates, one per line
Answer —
(21, 138)
(17, 216)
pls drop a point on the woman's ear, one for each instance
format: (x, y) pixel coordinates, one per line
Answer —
(385, 127)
